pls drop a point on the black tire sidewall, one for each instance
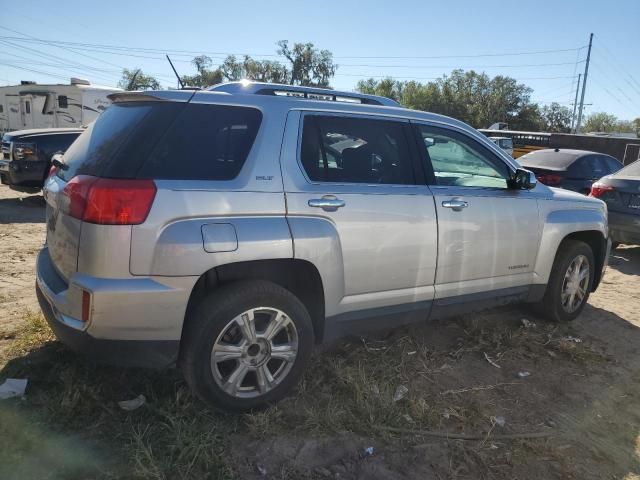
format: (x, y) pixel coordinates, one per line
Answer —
(552, 302)
(214, 313)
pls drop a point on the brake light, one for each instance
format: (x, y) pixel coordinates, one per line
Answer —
(549, 179)
(599, 189)
(106, 201)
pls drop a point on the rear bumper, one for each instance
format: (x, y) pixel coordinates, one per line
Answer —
(133, 322)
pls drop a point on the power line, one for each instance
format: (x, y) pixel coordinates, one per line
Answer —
(201, 52)
(613, 57)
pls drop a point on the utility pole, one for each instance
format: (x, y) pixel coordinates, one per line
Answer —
(584, 83)
(575, 104)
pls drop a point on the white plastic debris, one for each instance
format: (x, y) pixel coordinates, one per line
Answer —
(368, 451)
(133, 404)
(527, 323)
(261, 469)
(499, 420)
(413, 352)
(13, 387)
(573, 339)
(401, 392)
(523, 374)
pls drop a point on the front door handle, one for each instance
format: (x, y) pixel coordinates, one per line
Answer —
(328, 203)
(455, 205)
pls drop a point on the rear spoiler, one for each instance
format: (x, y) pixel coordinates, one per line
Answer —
(152, 96)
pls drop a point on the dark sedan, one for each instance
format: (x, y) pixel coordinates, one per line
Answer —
(26, 155)
(621, 192)
(570, 169)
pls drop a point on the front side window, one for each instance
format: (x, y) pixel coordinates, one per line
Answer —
(458, 160)
(356, 150)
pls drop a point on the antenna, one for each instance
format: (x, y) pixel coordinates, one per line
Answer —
(132, 81)
(176, 73)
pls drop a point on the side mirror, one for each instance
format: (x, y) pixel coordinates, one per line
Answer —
(523, 180)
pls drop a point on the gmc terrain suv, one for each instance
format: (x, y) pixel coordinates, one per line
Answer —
(229, 230)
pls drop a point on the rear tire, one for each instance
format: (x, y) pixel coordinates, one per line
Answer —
(246, 345)
(570, 282)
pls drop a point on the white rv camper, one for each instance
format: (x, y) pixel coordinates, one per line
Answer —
(30, 105)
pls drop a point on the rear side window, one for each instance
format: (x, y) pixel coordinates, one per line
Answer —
(63, 102)
(355, 150)
(206, 142)
(613, 164)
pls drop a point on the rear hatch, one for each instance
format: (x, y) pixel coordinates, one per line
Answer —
(114, 148)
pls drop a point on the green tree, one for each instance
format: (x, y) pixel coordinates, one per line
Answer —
(136, 80)
(307, 66)
(472, 97)
(556, 117)
(600, 122)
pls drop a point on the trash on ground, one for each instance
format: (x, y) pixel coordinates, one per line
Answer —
(13, 387)
(412, 352)
(261, 469)
(401, 392)
(499, 420)
(524, 374)
(527, 323)
(491, 361)
(572, 339)
(368, 451)
(132, 404)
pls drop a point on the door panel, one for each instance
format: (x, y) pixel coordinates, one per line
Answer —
(488, 234)
(496, 235)
(386, 232)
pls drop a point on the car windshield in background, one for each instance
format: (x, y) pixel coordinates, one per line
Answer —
(452, 157)
(506, 143)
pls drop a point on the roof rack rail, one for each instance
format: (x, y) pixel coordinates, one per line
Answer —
(248, 87)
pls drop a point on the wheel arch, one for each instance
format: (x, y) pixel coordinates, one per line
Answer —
(300, 277)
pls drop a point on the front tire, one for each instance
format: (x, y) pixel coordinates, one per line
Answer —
(570, 282)
(246, 345)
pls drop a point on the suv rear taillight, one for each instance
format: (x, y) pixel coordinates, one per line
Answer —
(599, 189)
(109, 202)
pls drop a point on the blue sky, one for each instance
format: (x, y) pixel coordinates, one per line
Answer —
(360, 35)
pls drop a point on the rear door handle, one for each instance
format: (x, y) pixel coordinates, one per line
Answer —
(455, 205)
(328, 203)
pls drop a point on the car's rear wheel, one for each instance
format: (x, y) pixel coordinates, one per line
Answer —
(246, 345)
(570, 282)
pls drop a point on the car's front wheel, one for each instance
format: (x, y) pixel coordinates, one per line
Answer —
(246, 345)
(570, 281)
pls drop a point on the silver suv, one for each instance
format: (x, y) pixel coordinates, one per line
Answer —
(229, 230)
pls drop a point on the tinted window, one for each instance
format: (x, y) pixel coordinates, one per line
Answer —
(580, 168)
(597, 166)
(116, 144)
(27, 107)
(355, 150)
(63, 102)
(1, 108)
(206, 142)
(613, 164)
(459, 160)
(50, 144)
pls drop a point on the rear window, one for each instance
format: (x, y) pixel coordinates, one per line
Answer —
(165, 140)
(116, 144)
(548, 159)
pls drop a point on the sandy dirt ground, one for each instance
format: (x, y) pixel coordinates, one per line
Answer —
(587, 390)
